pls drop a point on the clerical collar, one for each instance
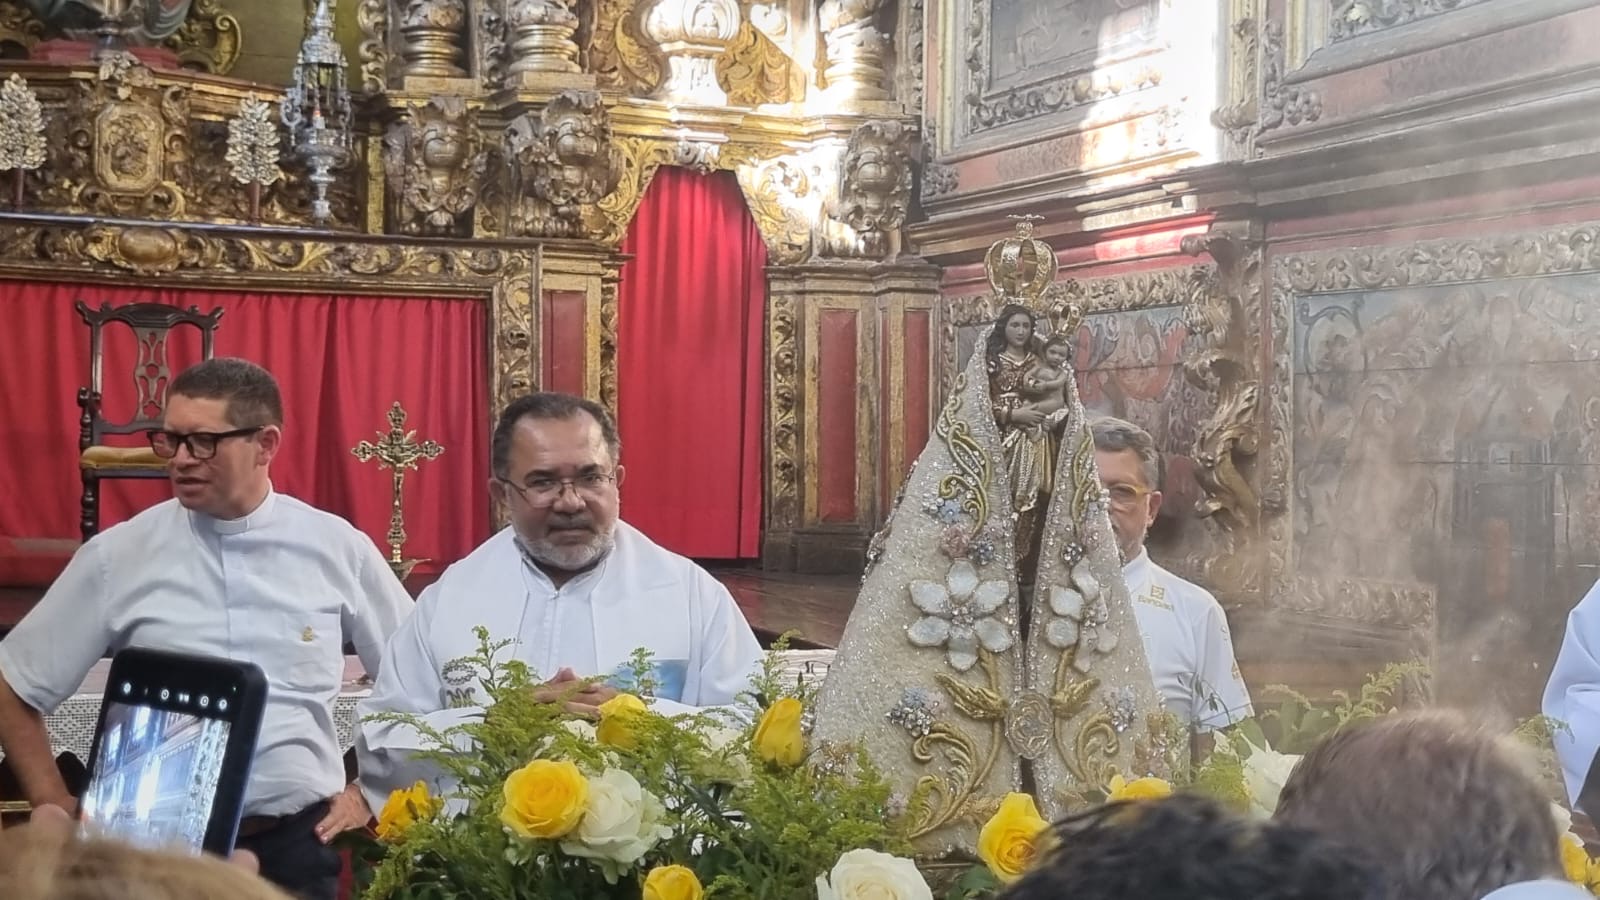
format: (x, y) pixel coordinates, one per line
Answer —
(1138, 567)
(256, 518)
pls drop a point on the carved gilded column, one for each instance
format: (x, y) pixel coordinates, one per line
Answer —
(857, 49)
(692, 34)
(540, 37)
(434, 34)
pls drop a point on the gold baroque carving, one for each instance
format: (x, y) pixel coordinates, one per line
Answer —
(609, 283)
(19, 26)
(1353, 18)
(1238, 120)
(372, 18)
(783, 397)
(1517, 255)
(434, 162)
(206, 258)
(986, 112)
(1409, 606)
(621, 57)
(122, 147)
(1282, 104)
(754, 70)
(210, 39)
(777, 192)
(1220, 320)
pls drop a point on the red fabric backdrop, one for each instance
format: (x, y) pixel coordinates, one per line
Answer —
(690, 367)
(341, 361)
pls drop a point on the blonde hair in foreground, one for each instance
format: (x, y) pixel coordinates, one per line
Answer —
(45, 861)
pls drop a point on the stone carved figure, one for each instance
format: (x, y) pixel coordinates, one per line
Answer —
(434, 162)
(141, 23)
(963, 687)
(566, 162)
(874, 189)
(856, 48)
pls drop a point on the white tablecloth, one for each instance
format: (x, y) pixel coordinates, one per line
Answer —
(71, 726)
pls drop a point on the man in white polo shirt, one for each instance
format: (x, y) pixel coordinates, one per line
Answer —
(227, 568)
(1185, 632)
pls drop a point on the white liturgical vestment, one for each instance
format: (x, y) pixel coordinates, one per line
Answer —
(1187, 642)
(283, 587)
(1572, 696)
(639, 596)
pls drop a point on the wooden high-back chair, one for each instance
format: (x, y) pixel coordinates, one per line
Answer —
(152, 325)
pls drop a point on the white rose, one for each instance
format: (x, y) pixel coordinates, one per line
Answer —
(1265, 771)
(620, 826)
(870, 875)
(575, 727)
(1562, 816)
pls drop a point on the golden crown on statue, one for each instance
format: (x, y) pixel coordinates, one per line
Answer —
(1022, 269)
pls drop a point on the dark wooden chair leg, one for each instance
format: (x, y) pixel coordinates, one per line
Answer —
(89, 506)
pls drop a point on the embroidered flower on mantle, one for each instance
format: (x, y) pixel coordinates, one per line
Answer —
(958, 615)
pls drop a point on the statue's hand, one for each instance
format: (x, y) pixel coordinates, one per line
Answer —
(1027, 417)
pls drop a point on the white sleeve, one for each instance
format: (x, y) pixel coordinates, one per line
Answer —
(730, 655)
(1220, 697)
(372, 617)
(45, 658)
(1572, 696)
(408, 682)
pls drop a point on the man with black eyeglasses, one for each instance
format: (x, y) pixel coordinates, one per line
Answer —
(227, 568)
(577, 589)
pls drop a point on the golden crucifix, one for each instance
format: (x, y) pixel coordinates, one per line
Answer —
(397, 451)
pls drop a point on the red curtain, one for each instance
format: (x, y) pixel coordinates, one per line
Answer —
(690, 367)
(340, 361)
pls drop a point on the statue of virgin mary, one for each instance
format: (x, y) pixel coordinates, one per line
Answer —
(992, 647)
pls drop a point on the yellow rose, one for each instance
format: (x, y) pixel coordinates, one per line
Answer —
(617, 716)
(545, 799)
(1147, 788)
(1010, 842)
(403, 809)
(779, 738)
(672, 883)
(1579, 867)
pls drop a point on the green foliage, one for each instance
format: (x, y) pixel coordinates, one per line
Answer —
(750, 831)
(1299, 722)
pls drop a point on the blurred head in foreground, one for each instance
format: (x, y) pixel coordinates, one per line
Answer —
(1188, 847)
(45, 860)
(1447, 809)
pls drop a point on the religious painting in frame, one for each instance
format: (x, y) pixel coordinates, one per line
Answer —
(1434, 448)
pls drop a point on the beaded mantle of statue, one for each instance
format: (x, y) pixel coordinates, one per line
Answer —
(959, 686)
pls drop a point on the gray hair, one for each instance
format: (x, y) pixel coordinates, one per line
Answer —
(1112, 435)
(548, 405)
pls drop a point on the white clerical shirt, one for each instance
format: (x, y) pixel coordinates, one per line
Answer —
(1572, 696)
(282, 587)
(639, 596)
(1187, 642)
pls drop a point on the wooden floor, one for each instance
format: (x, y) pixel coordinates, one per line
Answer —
(814, 607)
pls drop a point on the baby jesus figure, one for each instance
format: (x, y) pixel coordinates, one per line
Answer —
(1045, 388)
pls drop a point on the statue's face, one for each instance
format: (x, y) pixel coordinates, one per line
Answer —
(441, 148)
(576, 144)
(1018, 329)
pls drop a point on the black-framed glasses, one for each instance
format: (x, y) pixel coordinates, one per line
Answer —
(543, 492)
(201, 444)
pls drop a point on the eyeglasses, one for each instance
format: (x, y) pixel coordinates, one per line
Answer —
(1126, 496)
(201, 444)
(543, 492)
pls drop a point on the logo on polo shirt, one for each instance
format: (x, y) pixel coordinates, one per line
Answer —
(1155, 597)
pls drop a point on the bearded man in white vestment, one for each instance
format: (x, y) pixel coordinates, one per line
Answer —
(228, 568)
(578, 590)
(1185, 632)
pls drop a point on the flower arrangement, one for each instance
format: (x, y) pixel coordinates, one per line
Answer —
(718, 804)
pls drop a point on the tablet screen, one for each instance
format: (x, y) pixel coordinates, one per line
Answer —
(156, 776)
